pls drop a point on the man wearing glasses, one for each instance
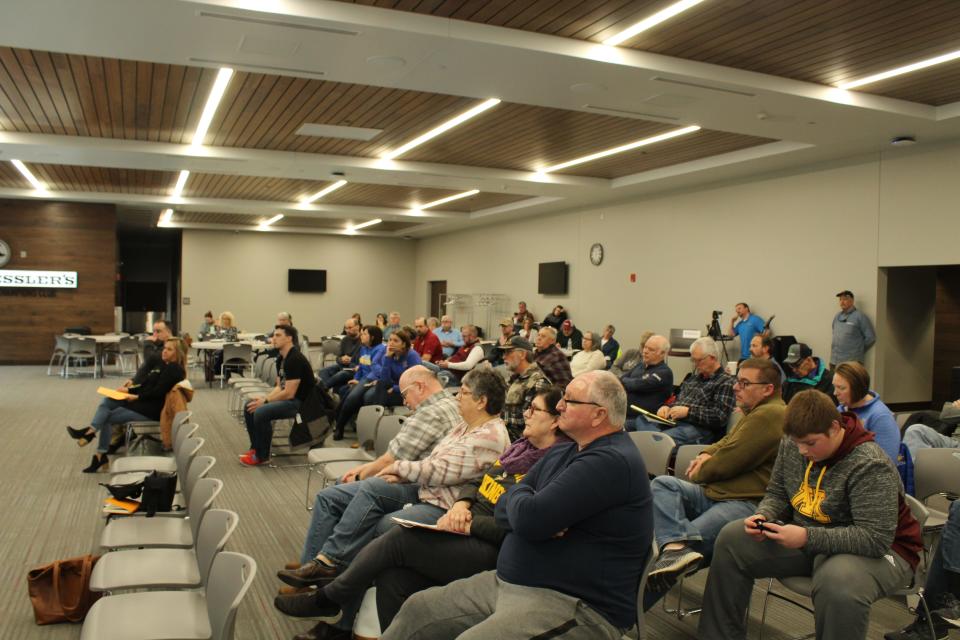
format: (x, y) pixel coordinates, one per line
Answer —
(526, 381)
(579, 529)
(705, 400)
(724, 483)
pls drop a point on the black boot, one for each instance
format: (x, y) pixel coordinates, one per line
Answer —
(99, 460)
(82, 436)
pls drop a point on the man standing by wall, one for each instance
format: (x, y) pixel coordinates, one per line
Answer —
(852, 332)
(746, 325)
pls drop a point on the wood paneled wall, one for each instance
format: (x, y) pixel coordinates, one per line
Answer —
(57, 236)
(946, 339)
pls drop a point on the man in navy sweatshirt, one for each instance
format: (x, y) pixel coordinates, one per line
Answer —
(580, 527)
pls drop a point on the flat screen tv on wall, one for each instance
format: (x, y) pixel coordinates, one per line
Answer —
(553, 278)
(307, 280)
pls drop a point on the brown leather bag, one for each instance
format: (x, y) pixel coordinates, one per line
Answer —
(60, 591)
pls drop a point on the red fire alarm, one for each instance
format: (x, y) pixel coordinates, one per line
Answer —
(633, 277)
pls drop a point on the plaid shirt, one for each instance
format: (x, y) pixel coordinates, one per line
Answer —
(555, 366)
(710, 400)
(423, 429)
(461, 456)
(523, 388)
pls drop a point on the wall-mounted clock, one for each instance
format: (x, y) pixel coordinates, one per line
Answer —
(5, 253)
(596, 254)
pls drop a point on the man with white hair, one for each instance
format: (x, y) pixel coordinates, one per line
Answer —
(579, 528)
(550, 359)
(650, 383)
(704, 403)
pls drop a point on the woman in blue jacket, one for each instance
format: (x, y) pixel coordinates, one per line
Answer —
(398, 358)
(364, 380)
(851, 385)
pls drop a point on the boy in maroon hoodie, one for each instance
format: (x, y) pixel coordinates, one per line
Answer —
(847, 526)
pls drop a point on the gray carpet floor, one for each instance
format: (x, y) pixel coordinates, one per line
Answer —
(52, 511)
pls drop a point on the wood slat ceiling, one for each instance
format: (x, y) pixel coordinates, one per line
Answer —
(823, 41)
(240, 220)
(265, 111)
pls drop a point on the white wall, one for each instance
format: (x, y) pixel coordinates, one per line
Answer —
(777, 244)
(246, 273)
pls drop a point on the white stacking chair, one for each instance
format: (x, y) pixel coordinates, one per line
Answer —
(190, 469)
(188, 615)
(387, 430)
(641, 628)
(166, 568)
(236, 357)
(80, 349)
(60, 349)
(156, 463)
(936, 472)
(138, 432)
(163, 532)
(655, 449)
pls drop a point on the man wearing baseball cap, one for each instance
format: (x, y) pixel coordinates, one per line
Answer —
(852, 332)
(526, 381)
(569, 336)
(805, 371)
(506, 332)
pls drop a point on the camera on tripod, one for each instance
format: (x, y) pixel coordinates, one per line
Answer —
(713, 329)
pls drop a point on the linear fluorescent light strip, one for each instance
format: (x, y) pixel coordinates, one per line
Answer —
(319, 194)
(364, 225)
(165, 217)
(627, 147)
(181, 183)
(899, 71)
(210, 109)
(446, 126)
(32, 179)
(267, 223)
(651, 21)
(456, 196)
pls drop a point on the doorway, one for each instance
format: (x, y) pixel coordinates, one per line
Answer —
(438, 289)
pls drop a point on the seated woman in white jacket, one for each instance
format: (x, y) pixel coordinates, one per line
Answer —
(590, 358)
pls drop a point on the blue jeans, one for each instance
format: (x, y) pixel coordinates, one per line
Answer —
(945, 558)
(347, 516)
(683, 433)
(110, 412)
(350, 404)
(682, 512)
(260, 427)
(919, 436)
(335, 376)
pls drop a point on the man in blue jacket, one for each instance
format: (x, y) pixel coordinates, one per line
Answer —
(650, 383)
(580, 527)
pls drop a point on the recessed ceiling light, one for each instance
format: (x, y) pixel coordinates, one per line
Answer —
(32, 179)
(337, 131)
(899, 71)
(651, 21)
(622, 148)
(213, 101)
(446, 126)
(456, 196)
(267, 223)
(165, 218)
(319, 194)
(387, 62)
(181, 183)
(364, 225)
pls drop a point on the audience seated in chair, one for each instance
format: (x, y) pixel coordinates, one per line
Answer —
(555, 318)
(398, 357)
(847, 526)
(295, 383)
(526, 381)
(703, 406)
(761, 346)
(506, 333)
(467, 356)
(353, 395)
(630, 358)
(590, 358)
(579, 528)
(609, 346)
(347, 516)
(426, 343)
(339, 373)
(927, 430)
(404, 561)
(551, 360)
(649, 384)
(153, 345)
(724, 484)
(148, 391)
(450, 338)
(851, 385)
(942, 587)
(392, 325)
(522, 316)
(805, 371)
(569, 337)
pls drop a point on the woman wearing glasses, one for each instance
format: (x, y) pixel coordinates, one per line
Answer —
(404, 561)
(147, 394)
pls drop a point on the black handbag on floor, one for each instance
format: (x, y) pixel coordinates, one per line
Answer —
(158, 492)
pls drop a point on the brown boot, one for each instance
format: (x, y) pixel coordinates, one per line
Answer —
(310, 574)
(290, 566)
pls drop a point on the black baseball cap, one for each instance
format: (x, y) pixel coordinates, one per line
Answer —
(796, 353)
(845, 293)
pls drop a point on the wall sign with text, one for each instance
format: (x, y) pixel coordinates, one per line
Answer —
(38, 279)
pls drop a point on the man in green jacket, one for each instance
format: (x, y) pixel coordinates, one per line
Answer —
(725, 481)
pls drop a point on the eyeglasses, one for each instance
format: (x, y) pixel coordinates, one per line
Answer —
(567, 400)
(464, 391)
(743, 383)
(403, 392)
(533, 409)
